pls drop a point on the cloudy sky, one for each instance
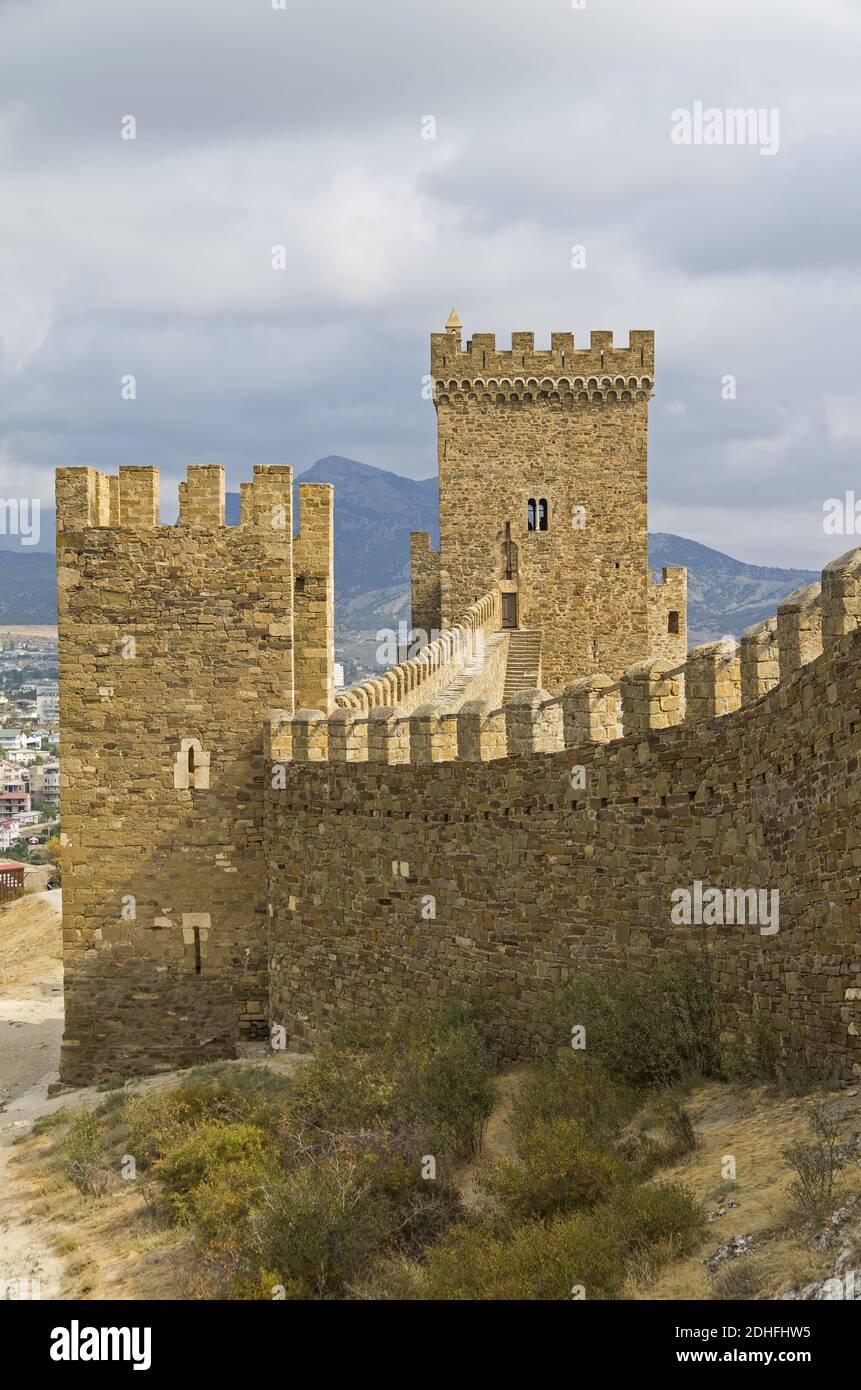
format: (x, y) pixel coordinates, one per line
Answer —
(304, 127)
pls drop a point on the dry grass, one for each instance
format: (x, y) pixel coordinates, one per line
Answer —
(115, 1248)
(753, 1125)
(31, 941)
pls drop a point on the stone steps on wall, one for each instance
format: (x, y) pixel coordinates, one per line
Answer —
(523, 669)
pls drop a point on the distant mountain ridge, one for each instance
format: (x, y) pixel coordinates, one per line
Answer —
(375, 511)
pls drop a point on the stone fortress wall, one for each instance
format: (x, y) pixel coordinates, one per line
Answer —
(738, 769)
(243, 848)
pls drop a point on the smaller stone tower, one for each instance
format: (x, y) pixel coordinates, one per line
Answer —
(175, 643)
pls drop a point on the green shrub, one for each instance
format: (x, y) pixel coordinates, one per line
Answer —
(446, 1084)
(155, 1125)
(648, 1030)
(82, 1159)
(818, 1168)
(559, 1172)
(211, 1172)
(759, 1055)
(660, 1134)
(569, 1085)
(739, 1280)
(427, 1072)
(319, 1225)
(343, 1089)
(549, 1260)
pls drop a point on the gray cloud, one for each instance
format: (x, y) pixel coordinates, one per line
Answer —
(302, 128)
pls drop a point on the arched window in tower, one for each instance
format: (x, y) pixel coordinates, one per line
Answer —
(542, 514)
(531, 515)
(191, 765)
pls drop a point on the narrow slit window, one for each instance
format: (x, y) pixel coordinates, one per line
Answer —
(542, 514)
(531, 515)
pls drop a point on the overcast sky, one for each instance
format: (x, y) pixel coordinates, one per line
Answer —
(303, 127)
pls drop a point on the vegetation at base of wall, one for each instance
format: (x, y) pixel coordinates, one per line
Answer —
(662, 1028)
(344, 1178)
(818, 1167)
(648, 1030)
(760, 1055)
(581, 1255)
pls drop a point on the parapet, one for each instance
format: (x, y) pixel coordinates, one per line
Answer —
(602, 370)
(422, 678)
(716, 680)
(130, 501)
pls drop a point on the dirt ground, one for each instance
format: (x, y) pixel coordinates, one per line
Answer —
(31, 1026)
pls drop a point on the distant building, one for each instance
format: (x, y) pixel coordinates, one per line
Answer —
(13, 802)
(45, 783)
(338, 673)
(47, 704)
(10, 832)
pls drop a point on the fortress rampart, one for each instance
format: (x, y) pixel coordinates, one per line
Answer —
(420, 856)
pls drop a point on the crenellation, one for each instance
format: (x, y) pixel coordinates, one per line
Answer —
(760, 660)
(139, 497)
(652, 697)
(591, 710)
(202, 496)
(712, 681)
(799, 629)
(841, 596)
(388, 735)
(481, 357)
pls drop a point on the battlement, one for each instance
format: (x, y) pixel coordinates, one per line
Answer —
(716, 679)
(419, 680)
(601, 371)
(87, 499)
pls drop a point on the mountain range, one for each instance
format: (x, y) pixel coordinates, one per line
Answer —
(375, 511)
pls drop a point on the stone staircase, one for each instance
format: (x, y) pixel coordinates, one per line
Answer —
(523, 669)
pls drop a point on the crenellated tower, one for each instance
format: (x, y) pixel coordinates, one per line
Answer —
(175, 642)
(542, 484)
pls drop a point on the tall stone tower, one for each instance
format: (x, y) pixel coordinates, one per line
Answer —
(542, 485)
(175, 643)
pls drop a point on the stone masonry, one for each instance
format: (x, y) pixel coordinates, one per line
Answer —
(542, 461)
(175, 642)
(543, 838)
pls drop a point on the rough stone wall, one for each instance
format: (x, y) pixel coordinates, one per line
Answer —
(174, 643)
(314, 598)
(530, 873)
(569, 426)
(425, 584)
(668, 614)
